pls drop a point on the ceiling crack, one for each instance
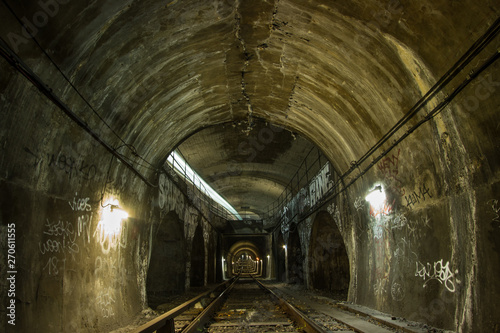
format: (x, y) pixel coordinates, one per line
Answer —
(247, 56)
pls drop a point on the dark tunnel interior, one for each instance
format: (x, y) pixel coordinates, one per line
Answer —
(153, 149)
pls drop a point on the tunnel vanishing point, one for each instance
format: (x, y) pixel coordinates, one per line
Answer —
(358, 142)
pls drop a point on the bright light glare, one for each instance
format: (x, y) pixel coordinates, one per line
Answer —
(112, 217)
(181, 166)
(376, 197)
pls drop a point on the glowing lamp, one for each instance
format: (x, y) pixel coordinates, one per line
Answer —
(376, 197)
(112, 217)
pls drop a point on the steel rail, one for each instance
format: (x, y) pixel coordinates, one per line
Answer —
(204, 317)
(304, 322)
(165, 322)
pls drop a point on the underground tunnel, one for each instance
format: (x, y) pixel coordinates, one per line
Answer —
(154, 149)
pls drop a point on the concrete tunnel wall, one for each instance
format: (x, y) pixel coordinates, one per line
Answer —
(419, 254)
(429, 253)
(71, 274)
(412, 247)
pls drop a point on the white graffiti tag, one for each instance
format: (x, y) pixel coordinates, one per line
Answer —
(335, 213)
(359, 203)
(496, 210)
(439, 272)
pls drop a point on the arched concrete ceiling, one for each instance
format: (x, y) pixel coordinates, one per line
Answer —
(249, 169)
(338, 74)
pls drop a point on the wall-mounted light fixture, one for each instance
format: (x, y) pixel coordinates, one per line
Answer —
(112, 218)
(376, 197)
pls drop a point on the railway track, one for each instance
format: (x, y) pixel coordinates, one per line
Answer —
(243, 304)
(251, 307)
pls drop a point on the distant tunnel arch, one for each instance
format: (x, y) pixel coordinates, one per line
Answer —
(247, 249)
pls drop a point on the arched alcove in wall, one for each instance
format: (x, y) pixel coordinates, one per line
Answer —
(280, 256)
(295, 258)
(167, 268)
(212, 252)
(197, 272)
(328, 260)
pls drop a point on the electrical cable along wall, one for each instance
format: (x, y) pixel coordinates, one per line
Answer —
(400, 98)
(326, 186)
(386, 219)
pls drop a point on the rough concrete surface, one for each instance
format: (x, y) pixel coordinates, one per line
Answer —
(94, 96)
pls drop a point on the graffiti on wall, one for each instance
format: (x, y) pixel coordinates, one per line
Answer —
(379, 287)
(83, 210)
(63, 241)
(359, 203)
(307, 198)
(190, 222)
(397, 291)
(389, 167)
(495, 207)
(62, 237)
(170, 198)
(417, 196)
(285, 223)
(60, 241)
(105, 302)
(72, 164)
(112, 269)
(437, 271)
(110, 240)
(320, 185)
(335, 213)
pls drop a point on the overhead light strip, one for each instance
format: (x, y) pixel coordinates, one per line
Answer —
(182, 167)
